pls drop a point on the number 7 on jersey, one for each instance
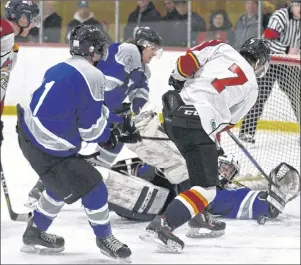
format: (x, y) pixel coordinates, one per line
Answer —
(240, 79)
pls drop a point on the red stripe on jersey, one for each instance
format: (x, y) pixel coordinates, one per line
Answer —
(271, 34)
(6, 28)
(188, 64)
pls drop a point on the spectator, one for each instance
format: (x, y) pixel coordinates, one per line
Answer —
(220, 28)
(171, 12)
(52, 25)
(179, 25)
(268, 10)
(145, 15)
(247, 25)
(84, 16)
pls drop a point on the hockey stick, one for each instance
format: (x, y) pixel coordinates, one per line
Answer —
(20, 217)
(155, 138)
(254, 162)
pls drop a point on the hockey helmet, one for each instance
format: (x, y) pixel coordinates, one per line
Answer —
(15, 9)
(257, 51)
(86, 40)
(146, 37)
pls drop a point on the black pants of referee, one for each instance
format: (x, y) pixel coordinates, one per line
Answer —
(283, 75)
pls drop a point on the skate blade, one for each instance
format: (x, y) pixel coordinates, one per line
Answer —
(195, 233)
(40, 249)
(152, 238)
(117, 259)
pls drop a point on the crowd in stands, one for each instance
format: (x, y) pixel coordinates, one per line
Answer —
(172, 25)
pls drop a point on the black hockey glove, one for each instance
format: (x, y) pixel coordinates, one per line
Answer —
(113, 140)
(129, 132)
(1, 132)
(177, 84)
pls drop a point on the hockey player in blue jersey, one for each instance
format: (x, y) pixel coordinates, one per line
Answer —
(127, 73)
(126, 69)
(67, 109)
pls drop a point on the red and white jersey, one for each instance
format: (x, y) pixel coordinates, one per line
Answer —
(8, 56)
(220, 84)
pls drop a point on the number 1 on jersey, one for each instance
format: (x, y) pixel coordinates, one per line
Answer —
(240, 79)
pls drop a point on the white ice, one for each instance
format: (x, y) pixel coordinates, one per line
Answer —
(277, 241)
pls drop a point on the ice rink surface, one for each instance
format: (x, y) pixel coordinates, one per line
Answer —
(245, 242)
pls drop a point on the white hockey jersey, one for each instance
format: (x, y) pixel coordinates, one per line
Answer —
(220, 84)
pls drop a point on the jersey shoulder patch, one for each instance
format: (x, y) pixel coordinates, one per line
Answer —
(128, 55)
(5, 28)
(7, 37)
(94, 78)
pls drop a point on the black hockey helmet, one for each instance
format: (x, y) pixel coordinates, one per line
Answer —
(86, 40)
(14, 10)
(146, 37)
(256, 51)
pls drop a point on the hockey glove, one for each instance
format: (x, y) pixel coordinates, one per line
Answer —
(113, 140)
(129, 132)
(177, 85)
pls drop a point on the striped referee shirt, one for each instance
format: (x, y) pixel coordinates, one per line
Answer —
(283, 31)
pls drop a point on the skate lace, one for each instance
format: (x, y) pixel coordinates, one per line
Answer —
(48, 237)
(112, 243)
(210, 219)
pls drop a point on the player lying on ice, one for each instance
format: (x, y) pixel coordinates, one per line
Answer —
(149, 189)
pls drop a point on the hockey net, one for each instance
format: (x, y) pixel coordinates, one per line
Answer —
(277, 132)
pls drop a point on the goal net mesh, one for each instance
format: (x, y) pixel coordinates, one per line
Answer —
(271, 130)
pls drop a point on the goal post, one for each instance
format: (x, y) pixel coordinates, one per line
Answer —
(271, 130)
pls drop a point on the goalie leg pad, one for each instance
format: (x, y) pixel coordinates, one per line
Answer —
(133, 197)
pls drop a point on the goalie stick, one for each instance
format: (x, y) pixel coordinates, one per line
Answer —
(254, 162)
(20, 217)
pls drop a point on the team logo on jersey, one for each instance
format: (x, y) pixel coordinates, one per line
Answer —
(7, 63)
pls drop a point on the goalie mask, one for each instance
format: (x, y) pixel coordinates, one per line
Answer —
(288, 180)
(228, 169)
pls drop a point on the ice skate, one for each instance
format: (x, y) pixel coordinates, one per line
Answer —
(207, 223)
(158, 232)
(113, 248)
(34, 195)
(37, 241)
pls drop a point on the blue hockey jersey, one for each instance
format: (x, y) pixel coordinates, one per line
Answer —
(68, 108)
(126, 75)
(241, 203)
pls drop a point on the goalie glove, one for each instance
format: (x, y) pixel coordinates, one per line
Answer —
(228, 169)
(288, 180)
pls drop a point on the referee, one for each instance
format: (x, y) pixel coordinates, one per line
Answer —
(283, 34)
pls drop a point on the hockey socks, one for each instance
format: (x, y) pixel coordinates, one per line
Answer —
(188, 204)
(48, 207)
(97, 210)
